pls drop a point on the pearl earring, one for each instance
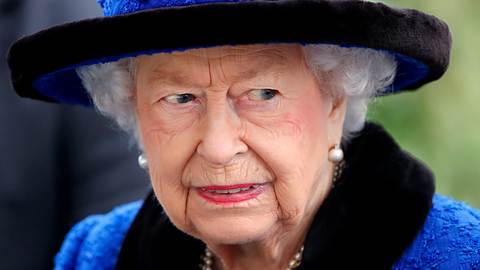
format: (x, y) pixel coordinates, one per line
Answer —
(142, 161)
(335, 154)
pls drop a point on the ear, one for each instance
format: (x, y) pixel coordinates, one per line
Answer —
(336, 118)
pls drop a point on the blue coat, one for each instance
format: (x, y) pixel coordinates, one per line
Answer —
(450, 239)
(390, 218)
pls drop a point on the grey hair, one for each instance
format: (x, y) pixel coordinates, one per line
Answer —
(111, 87)
(359, 74)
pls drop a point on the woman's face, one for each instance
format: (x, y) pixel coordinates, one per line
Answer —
(236, 139)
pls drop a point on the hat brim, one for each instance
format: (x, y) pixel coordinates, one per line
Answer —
(43, 65)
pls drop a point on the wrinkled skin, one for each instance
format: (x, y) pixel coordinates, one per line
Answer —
(232, 129)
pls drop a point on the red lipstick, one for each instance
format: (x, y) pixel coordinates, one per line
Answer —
(231, 194)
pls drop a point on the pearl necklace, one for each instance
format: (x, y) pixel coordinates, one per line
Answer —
(207, 260)
(207, 257)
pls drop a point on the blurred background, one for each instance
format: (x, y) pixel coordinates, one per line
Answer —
(62, 163)
(440, 124)
(59, 164)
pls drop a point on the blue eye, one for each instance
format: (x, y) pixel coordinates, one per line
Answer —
(262, 94)
(180, 98)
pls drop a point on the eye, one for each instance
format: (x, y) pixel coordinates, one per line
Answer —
(262, 94)
(179, 98)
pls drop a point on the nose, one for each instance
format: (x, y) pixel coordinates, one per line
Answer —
(221, 136)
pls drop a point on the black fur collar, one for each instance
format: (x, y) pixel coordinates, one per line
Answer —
(375, 211)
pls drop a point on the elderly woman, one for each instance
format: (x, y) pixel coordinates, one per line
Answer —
(251, 119)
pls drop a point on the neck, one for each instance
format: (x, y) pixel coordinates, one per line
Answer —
(273, 252)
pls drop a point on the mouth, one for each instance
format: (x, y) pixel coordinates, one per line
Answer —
(232, 193)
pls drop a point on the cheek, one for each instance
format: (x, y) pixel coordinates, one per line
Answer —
(296, 154)
(304, 145)
(168, 141)
(168, 151)
(294, 137)
(171, 121)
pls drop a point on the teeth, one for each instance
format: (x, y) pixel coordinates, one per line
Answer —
(220, 191)
(233, 191)
(236, 190)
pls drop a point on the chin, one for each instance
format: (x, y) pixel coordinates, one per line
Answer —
(235, 230)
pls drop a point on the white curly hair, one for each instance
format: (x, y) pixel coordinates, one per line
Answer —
(359, 74)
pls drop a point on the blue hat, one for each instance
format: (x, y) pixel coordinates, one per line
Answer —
(43, 64)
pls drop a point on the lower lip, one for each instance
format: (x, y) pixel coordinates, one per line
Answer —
(230, 198)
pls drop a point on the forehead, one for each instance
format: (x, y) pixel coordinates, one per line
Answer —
(277, 51)
(240, 58)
